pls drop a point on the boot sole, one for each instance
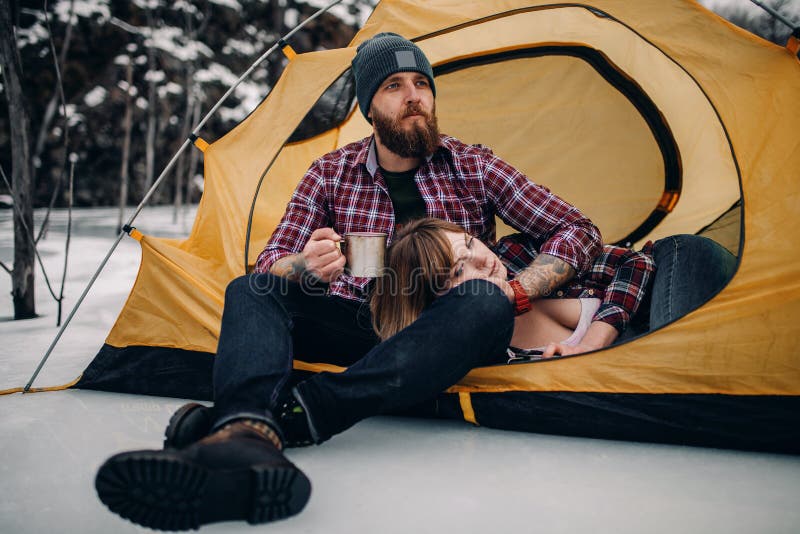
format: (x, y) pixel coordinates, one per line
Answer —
(163, 491)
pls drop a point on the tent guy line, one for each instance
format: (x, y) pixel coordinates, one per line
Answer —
(127, 228)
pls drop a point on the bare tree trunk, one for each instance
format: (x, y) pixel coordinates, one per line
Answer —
(150, 148)
(194, 156)
(197, 105)
(50, 110)
(22, 274)
(180, 173)
(126, 147)
(58, 61)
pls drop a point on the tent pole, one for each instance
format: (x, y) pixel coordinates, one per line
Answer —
(775, 14)
(127, 227)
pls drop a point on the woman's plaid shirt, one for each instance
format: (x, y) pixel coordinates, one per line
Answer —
(465, 184)
(618, 275)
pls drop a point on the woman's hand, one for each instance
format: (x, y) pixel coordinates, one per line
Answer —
(561, 349)
(599, 335)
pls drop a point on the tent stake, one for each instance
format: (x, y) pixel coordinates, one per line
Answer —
(161, 178)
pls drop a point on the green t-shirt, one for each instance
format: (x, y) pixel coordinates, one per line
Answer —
(406, 198)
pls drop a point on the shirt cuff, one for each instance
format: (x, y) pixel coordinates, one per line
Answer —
(561, 250)
(613, 315)
(267, 258)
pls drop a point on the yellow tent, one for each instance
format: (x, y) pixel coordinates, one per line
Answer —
(654, 117)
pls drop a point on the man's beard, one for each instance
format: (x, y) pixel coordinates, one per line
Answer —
(418, 142)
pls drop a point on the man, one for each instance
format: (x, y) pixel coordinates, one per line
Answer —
(301, 302)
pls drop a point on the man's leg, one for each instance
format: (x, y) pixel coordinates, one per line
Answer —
(690, 270)
(468, 327)
(238, 471)
(266, 321)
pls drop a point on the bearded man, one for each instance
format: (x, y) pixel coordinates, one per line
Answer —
(226, 462)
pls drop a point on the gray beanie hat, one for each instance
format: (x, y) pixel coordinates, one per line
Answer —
(382, 56)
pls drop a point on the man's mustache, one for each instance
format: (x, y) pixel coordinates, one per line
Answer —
(414, 109)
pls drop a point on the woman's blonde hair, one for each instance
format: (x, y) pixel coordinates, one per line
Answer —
(419, 264)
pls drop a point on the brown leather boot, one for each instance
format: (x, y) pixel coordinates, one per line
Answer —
(236, 473)
(191, 422)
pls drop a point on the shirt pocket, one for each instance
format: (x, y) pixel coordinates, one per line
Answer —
(465, 209)
(360, 209)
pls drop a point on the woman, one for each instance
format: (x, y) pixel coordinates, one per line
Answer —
(430, 257)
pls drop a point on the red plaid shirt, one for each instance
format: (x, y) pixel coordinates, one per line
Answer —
(465, 184)
(618, 275)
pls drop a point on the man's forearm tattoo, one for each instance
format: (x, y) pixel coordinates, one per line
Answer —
(544, 275)
(292, 267)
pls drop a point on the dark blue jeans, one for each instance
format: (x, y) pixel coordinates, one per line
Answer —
(267, 320)
(690, 270)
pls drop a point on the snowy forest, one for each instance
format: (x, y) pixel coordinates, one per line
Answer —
(131, 77)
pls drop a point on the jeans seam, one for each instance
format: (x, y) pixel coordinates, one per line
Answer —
(672, 270)
(276, 391)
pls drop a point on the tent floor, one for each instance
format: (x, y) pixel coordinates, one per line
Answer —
(403, 475)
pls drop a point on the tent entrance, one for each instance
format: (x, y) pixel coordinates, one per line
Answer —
(586, 116)
(570, 119)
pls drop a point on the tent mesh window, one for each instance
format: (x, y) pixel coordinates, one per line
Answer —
(330, 110)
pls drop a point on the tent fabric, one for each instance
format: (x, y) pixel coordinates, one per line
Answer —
(654, 117)
(723, 421)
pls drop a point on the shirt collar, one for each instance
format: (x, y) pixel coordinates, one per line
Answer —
(372, 157)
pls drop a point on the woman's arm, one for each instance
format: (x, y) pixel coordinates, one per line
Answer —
(599, 335)
(625, 273)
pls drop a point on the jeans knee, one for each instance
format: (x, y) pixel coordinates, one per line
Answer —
(484, 314)
(257, 284)
(690, 270)
(237, 288)
(687, 257)
(485, 300)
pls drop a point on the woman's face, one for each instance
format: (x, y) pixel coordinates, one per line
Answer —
(473, 259)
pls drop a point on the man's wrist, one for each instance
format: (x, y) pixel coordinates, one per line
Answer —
(544, 275)
(292, 267)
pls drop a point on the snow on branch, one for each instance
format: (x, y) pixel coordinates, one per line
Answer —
(95, 97)
(82, 8)
(232, 4)
(168, 39)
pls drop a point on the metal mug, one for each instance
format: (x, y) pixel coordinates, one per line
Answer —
(365, 253)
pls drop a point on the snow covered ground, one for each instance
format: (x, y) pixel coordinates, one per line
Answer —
(389, 475)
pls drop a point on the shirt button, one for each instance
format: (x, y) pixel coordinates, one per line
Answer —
(560, 294)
